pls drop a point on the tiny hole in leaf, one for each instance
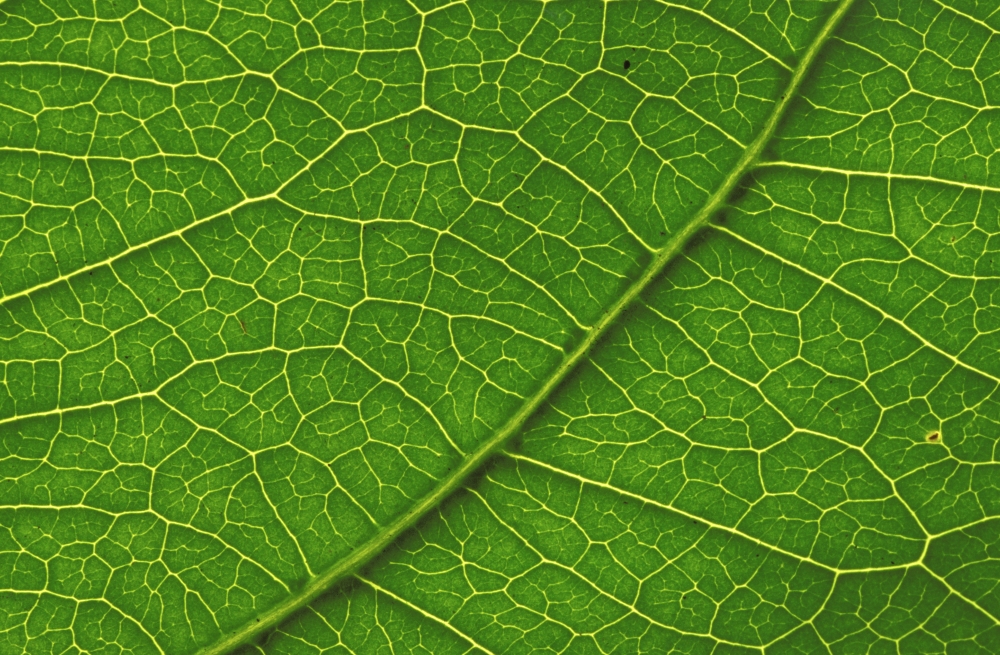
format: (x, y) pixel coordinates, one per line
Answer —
(627, 64)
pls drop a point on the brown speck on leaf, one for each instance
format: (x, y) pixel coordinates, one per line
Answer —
(244, 326)
(934, 437)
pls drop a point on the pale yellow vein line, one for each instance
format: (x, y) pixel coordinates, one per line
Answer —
(132, 620)
(274, 195)
(416, 608)
(730, 30)
(737, 532)
(630, 608)
(828, 281)
(891, 176)
(649, 501)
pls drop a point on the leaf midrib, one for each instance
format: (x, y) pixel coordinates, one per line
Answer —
(362, 555)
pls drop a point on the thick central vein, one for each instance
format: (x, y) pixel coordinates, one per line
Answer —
(362, 555)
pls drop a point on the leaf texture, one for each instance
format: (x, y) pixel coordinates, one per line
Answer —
(275, 278)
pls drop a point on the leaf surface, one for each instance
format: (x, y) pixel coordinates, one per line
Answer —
(717, 278)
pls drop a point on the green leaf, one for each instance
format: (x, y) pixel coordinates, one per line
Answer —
(499, 326)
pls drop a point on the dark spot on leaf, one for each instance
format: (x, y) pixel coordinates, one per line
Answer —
(934, 437)
(740, 192)
(627, 64)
